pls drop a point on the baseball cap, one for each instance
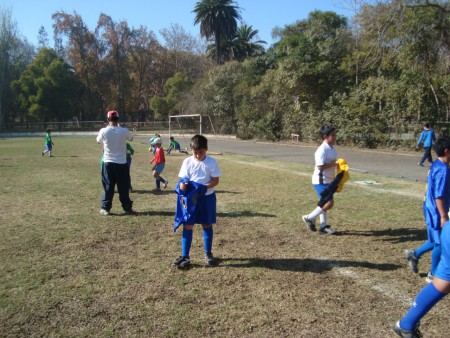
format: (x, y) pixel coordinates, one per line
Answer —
(156, 141)
(113, 114)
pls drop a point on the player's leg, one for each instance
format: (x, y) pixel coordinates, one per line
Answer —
(108, 182)
(208, 235)
(435, 259)
(413, 256)
(186, 243)
(157, 181)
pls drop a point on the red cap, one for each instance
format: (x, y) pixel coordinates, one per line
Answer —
(113, 114)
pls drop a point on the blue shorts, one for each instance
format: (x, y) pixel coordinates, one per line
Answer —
(159, 168)
(48, 146)
(205, 213)
(443, 269)
(319, 188)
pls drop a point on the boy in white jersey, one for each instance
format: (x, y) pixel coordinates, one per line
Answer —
(204, 170)
(324, 174)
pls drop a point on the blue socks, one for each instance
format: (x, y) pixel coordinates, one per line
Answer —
(424, 301)
(425, 247)
(186, 242)
(208, 235)
(435, 258)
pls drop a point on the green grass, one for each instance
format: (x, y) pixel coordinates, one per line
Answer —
(67, 271)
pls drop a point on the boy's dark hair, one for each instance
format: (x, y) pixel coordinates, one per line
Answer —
(326, 130)
(49, 131)
(441, 144)
(199, 142)
(426, 125)
(171, 138)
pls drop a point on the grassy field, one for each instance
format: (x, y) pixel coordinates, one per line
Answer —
(67, 271)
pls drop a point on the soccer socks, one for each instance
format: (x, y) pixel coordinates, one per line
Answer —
(323, 219)
(316, 212)
(186, 242)
(425, 247)
(424, 301)
(208, 235)
(435, 258)
(162, 180)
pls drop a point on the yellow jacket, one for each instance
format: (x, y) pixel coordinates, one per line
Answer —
(342, 167)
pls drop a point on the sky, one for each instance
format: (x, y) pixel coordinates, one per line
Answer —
(263, 15)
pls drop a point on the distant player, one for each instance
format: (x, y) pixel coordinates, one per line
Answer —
(204, 170)
(174, 145)
(48, 144)
(426, 138)
(324, 174)
(160, 163)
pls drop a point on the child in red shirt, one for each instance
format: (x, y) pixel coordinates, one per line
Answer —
(160, 162)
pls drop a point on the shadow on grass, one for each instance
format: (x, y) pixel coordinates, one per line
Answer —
(228, 192)
(301, 264)
(172, 213)
(162, 192)
(243, 214)
(399, 235)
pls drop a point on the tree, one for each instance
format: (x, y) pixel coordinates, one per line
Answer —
(47, 88)
(218, 19)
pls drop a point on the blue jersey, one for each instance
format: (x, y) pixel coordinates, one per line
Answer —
(443, 269)
(427, 137)
(186, 209)
(438, 186)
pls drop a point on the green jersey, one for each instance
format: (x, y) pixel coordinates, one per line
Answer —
(48, 138)
(130, 150)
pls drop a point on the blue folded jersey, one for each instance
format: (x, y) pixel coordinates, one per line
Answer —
(187, 202)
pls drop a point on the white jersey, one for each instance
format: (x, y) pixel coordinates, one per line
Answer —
(114, 140)
(325, 154)
(200, 171)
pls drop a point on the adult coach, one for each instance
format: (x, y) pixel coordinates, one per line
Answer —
(115, 168)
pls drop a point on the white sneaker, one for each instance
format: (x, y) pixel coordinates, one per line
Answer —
(104, 212)
(165, 184)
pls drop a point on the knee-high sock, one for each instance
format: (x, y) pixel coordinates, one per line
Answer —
(158, 182)
(424, 301)
(323, 219)
(435, 258)
(186, 242)
(425, 247)
(208, 235)
(316, 212)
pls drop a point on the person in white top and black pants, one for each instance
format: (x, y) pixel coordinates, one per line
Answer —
(115, 169)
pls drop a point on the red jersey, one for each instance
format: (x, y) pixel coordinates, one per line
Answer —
(159, 156)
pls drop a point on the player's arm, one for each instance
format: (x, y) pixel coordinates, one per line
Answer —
(440, 204)
(214, 181)
(326, 166)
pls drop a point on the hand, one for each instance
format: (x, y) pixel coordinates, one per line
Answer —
(444, 219)
(183, 186)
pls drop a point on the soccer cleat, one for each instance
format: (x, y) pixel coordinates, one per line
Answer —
(412, 260)
(420, 164)
(104, 212)
(310, 224)
(406, 333)
(429, 278)
(165, 184)
(130, 212)
(326, 230)
(181, 262)
(209, 259)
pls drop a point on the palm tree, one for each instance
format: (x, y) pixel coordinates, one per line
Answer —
(240, 47)
(243, 44)
(218, 19)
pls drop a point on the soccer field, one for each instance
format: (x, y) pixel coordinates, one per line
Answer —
(68, 271)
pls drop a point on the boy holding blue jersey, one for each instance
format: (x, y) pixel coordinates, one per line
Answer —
(435, 207)
(203, 170)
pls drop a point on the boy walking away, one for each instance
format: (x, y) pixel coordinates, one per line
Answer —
(430, 295)
(175, 145)
(198, 171)
(48, 144)
(324, 174)
(427, 137)
(160, 162)
(115, 169)
(130, 152)
(435, 207)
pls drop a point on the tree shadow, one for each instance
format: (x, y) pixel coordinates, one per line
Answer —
(398, 235)
(228, 192)
(301, 264)
(243, 214)
(162, 192)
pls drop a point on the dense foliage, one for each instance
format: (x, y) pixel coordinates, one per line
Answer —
(375, 76)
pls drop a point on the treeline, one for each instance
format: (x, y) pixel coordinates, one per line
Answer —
(379, 74)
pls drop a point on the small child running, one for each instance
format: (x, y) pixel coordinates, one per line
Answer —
(48, 144)
(160, 162)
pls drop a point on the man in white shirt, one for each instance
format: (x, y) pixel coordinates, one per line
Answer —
(115, 169)
(324, 174)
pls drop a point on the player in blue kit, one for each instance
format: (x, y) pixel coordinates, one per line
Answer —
(201, 169)
(435, 207)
